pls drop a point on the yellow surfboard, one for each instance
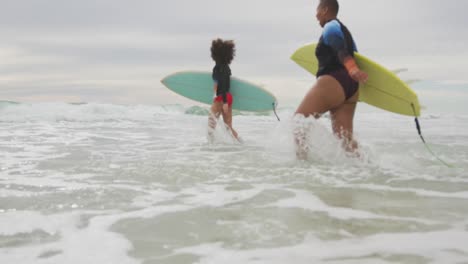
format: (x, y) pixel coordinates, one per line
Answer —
(383, 89)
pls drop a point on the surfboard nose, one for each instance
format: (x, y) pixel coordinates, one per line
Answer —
(169, 79)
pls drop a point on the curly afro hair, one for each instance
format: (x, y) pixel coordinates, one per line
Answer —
(223, 51)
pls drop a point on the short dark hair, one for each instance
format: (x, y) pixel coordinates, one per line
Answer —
(223, 51)
(331, 4)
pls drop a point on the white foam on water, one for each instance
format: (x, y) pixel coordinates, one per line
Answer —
(440, 247)
(308, 201)
(152, 197)
(13, 222)
(221, 135)
(48, 184)
(218, 195)
(92, 112)
(142, 162)
(78, 242)
(322, 145)
(75, 245)
(419, 192)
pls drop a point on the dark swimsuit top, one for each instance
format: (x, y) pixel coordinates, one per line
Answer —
(334, 45)
(222, 76)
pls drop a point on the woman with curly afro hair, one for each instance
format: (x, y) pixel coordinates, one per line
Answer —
(222, 52)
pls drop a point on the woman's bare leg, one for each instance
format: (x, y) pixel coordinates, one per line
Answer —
(227, 117)
(342, 122)
(215, 111)
(326, 94)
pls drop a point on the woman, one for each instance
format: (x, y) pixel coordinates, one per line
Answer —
(222, 52)
(338, 77)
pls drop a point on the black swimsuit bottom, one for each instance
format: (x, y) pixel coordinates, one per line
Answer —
(350, 86)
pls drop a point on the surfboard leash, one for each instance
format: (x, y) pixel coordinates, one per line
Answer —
(418, 127)
(274, 110)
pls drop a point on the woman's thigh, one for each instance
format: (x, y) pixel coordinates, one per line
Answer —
(343, 116)
(325, 95)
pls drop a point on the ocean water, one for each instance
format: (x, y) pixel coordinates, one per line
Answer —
(103, 183)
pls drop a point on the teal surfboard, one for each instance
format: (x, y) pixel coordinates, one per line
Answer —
(198, 86)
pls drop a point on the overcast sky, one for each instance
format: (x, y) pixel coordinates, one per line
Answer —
(117, 51)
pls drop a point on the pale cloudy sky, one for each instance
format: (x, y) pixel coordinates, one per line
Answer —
(117, 51)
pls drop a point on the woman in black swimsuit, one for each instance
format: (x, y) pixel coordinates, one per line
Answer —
(338, 78)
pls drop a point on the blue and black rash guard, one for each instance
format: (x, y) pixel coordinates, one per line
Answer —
(222, 76)
(335, 44)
